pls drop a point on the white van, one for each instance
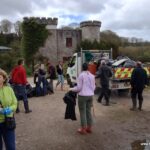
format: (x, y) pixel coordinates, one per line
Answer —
(75, 65)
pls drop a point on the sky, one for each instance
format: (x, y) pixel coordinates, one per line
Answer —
(128, 18)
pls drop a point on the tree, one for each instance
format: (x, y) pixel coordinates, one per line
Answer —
(34, 35)
(6, 26)
(17, 26)
(2, 39)
(109, 40)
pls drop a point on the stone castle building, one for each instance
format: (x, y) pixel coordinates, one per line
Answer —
(62, 42)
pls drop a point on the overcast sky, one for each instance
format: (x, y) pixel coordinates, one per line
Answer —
(128, 18)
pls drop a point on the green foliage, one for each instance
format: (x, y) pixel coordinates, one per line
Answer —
(136, 53)
(87, 45)
(28, 70)
(34, 36)
(8, 60)
(7, 39)
(65, 66)
(2, 39)
(108, 40)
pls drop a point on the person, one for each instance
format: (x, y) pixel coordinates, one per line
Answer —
(59, 68)
(104, 73)
(85, 88)
(36, 70)
(8, 105)
(19, 81)
(138, 81)
(42, 79)
(52, 76)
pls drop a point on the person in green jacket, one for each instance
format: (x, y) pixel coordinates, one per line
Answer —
(8, 105)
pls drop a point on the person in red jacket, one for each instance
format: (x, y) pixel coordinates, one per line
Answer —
(19, 81)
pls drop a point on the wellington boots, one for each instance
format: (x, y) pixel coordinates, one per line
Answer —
(89, 129)
(82, 130)
(140, 105)
(28, 111)
(134, 105)
(107, 102)
(99, 100)
(26, 106)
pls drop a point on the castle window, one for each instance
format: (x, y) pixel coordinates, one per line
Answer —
(68, 42)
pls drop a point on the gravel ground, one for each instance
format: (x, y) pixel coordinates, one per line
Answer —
(115, 127)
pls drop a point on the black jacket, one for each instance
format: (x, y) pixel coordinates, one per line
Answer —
(52, 72)
(139, 78)
(104, 73)
(70, 101)
(41, 72)
(59, 70)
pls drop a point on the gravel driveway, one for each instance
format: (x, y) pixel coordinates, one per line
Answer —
(115, 126)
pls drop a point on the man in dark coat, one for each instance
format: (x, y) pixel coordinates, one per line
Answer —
(138, 81)
(104, 73)
(52, 77)
(70, 100)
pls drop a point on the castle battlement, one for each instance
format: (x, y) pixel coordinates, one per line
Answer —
(43, 20)
(90, 23)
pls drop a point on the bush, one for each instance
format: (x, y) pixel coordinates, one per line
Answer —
(28, 70)
(136, 53)
(8, 60)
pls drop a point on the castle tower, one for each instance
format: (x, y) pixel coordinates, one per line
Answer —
(90, 30)
(52, 23)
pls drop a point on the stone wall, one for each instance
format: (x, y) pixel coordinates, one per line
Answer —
(55, 46)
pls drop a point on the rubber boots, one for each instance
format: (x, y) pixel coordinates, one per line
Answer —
(26, 106)
(140, 105)
(134, 105)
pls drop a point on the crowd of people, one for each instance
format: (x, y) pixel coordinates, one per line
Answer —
(12, 93)
(43, 79)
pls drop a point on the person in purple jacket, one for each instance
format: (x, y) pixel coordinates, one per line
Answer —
(85, 88)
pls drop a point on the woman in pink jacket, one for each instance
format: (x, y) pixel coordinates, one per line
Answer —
(85, 88)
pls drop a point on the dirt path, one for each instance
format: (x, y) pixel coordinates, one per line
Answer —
(115, 126)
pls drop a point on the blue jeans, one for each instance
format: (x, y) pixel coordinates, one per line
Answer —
(42, 79)
(8, 137)
(20, 92)
(60, 80)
